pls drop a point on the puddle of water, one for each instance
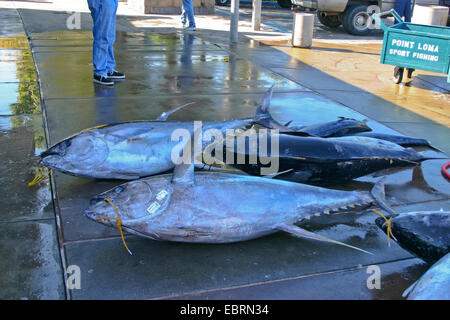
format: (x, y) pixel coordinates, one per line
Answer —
(19, 42)
(19, 89)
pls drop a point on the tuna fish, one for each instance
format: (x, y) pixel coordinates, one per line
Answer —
(351, 127)
(404, 141)
(434, 284)
(339, 128)
(425, 234)
(136, 149)
(214, 207)
(321, 159)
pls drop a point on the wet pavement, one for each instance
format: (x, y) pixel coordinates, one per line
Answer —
(166, 69)
(31, 263)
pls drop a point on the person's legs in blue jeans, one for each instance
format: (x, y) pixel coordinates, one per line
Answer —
(403, 8)
(183, 16)
(408, 12)
(111, 62)
(103, 14)
(189, 11)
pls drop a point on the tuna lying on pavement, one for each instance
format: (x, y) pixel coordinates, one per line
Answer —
(213, 207)
(351, 127)
(133, 149)
(404, 141)
(321, 159)
(425, 234)
(434, 284)
(338, 128)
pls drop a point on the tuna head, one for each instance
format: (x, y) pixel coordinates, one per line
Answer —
(350, 126)
(77, 155)
(135, 201)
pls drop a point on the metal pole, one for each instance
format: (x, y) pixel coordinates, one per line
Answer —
(256, 15)
(234, 21)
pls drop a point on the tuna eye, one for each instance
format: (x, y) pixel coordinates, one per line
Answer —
(65, 144)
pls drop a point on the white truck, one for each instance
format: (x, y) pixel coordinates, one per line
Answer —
(354, 15)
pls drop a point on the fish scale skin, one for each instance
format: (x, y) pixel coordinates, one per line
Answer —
(434, 284)
(224, 207)
(333, 159)
(126, 150)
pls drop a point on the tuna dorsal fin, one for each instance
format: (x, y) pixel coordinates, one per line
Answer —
(264, 118)
(302, 233)
(379, 196)
(184, 171)
(165, 115)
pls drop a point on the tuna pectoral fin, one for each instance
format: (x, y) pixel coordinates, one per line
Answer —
(302, 233)
(408, 290)
(271, 176)
(165, 115)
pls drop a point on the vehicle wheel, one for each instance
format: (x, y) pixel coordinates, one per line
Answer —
(284, 3)
(332, 21)
(355, 19)
(222, 2)
(398, 74)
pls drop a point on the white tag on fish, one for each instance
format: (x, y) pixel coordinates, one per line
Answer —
(153, 207)
(161, 195)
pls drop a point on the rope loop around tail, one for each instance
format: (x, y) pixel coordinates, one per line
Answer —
(388, 225)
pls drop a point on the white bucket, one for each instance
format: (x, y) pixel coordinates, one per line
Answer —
(302, 31)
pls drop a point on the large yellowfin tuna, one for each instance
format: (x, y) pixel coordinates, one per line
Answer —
(134, 149)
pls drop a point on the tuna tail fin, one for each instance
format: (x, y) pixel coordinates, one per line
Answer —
(379, 195)
(264, 118)
(299, 232)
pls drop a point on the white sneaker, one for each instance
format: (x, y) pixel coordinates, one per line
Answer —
(190, 28)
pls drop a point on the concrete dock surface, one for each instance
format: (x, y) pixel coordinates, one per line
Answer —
(48, 94)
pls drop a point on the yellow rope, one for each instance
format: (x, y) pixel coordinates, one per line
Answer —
(118, 223)
(388, 225)
(39, 177)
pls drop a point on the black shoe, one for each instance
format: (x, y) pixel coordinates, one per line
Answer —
(116, 75)
(103, 80)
